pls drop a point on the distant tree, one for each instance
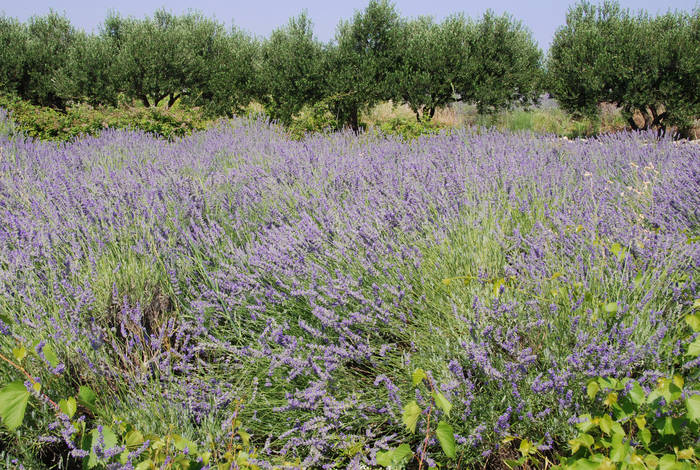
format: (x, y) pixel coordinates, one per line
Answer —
(13, 52)
(165, 57)
(291, 74)
(232, 76)
(48, 42)
(360, 63)
(645, 65)
(504, 66)
(90, 71)
(432, 58)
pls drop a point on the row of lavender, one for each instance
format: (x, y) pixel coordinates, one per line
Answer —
(307, 280)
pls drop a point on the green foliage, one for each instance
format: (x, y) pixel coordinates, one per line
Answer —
(643, 64)
(504, 67)
(358, 65)
(639, 429)
(291, 70)
(400, 456)
(409, 128)
(48, 40)
(48, 124)
(90, 73)
(13, 403)
(432, 57)
(13, 54)
(124, 441)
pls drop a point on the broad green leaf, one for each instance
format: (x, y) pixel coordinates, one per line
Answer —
(693, 405)
(694, 348)
(616, 249)
(402, 454)
(619, 451)
(641, 422)
(586, 423)
(68, 406)
(693, 321)
(145, 465)
(685, 454)
(87, 397)
(605, 424)
(526, 447)
(418, 376)
(611, 399)
(411, 413)
(610, 307)
(13, 404)
(651, 461)
(50, 355)
(394, 458)
(637, 394)
(133, 439)
(638, 280)
(109, 439)
(667, 462)
(446, 437)
(442, 402)
(645, 436)
(19, 352)
(592, 389)
(585, 464)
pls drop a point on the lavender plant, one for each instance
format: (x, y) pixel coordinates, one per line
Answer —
(297, 284)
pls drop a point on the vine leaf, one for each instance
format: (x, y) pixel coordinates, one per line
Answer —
(13, 404)
(446, 437)
(411, 412)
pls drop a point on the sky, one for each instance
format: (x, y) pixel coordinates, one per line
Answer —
(260, 17)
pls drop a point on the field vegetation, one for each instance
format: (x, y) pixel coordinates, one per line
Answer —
(216, 254)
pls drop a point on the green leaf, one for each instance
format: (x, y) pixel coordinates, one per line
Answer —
(645, 436)
(667, 462)
(418, 376)
(68, 406)
(694, 348)
(637, 394)
(13, 403)
(395, 458)
(446, 437)
(109, 438)
(19, 352)
(411, 413)
(619, 450)
(592, 389)
(610, 307)
(50, 355)
(605, 424)
(585, 464)
(442, 402)
(87, 397)
(693, 321)
(693, 405)
(638, 280)
(586, 423)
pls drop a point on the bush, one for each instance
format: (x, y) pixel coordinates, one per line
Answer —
(44, 123)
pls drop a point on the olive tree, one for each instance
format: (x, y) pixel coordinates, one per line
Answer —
(13, 51)
(360, 63)
(433, 57)
(504, 66)
(645, 65)
(291, 74)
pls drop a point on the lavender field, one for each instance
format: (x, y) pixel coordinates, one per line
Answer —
(238, 289)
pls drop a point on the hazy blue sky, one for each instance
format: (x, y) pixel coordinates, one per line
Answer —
(261, 16)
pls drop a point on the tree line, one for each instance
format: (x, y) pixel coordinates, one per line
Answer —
(646, 65)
